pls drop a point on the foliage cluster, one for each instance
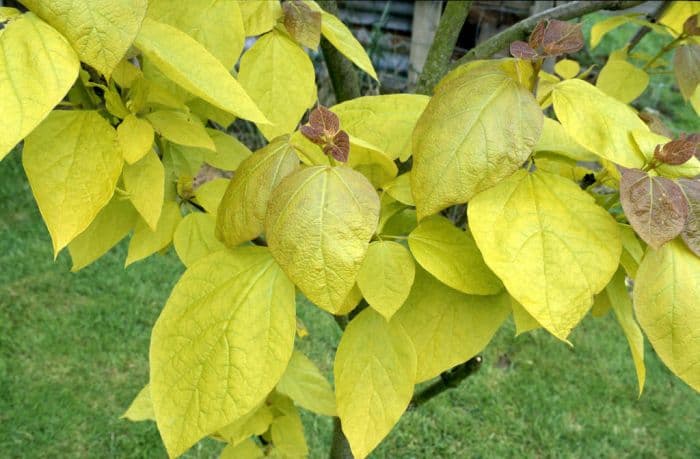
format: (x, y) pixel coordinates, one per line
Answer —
(521, 191)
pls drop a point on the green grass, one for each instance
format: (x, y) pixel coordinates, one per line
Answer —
(74, 346)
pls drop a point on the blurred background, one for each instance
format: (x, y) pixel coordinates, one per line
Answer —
(74, 346)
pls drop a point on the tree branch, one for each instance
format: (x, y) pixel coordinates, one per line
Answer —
(344, 78)
(440, 53)
(448, 380)
(340, 448)
(520, 30)
(645, 30)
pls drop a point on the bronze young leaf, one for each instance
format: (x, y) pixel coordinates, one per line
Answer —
(677, 151)
(302, 23)
(655, 206)
(691, 232)
(561, 37)
(522, 50)
(324, 130)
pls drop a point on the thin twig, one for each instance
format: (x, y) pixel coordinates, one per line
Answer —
(344, 78)
(520, 30)
(448, 380)
(641, 33)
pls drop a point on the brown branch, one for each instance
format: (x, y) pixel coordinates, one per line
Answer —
(440, 53)
(520, 30)
(641, 33)
(344, 77)
(448, 380)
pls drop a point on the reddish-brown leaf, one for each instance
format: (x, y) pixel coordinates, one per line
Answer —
(339, 147)
(325, 120)
(537, 35)
(655, 206)
(691, 232)
(302, 23)
(522, 50)
(676, 151)
(313, 133)
(686, 66)
(691, 26)
(561, 37)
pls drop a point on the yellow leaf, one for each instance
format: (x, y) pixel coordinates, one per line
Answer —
(448, 327)
(632, 251)
(186, 62)
(375, 367)
(545, 83)
(386, 276)
(400, 189)
(37, 69)
(451, 255)
(180, 128)
(114, 221)
(125, 73)
(597, 121)
(254, 423)
(601, 305)
(145, 242)
(141, 409)
(567, 69)
(601, 28)
(280, 77)
(229, 151)
(373, 164)
(101, 31)
(524, 322)
(210, 194)
(194, 238)
(241, 215)
(549, 243)
(304, 383)
(145, 183)
(218, 26)
(343, 40)
(695, 99)
(260, 16)
(73, 162)
(666, 294)
(676, 14)
(135, 138)
(622, 305)
(554, 139)
(351, 301)
(206, 376)
(247, 449)
(487, 125)
(335, 212)
(622, 80)
(207, 111)
(385, 121)
(646, 141)
(287, 433)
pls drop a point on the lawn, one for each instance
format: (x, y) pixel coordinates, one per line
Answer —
(74, 347)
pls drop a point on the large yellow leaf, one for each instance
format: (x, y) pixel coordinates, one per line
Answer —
(37, 68)
(677, 13)
(478, 129)
(622, 80)
(287, 433)
(146, 242)
(141, 409)
(254, 423)
(220, 345)
(241, 215)
(386, 276)
(372, 163)
(451, 255)
(246, 449)
(549, 243)
(448, 327)
(114, 221)
(145, 183)
(319, 222)
(385, 121)
(180, 128)
(101, 31)
(666, 294)
(260, 16)
(400, 189)
(303, 382)
(621, 303)
(135, 137)
(218, 26)
(375, 367)
(524, 322)
(186, 62)
(597, 121)
(73, 162)
(280, 77)
(209, 195)
(194, 238)
(343, 40)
